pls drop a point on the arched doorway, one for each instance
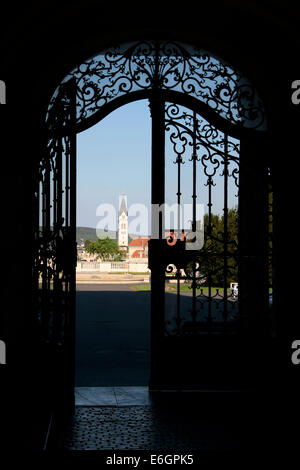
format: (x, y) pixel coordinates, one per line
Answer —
(216, 114)
(112, 292)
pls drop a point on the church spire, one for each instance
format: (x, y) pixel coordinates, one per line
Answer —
(123, 207)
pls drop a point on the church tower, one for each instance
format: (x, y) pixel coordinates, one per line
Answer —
(123, 225)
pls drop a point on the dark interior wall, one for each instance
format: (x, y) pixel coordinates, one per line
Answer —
(41, 43)
(50, 38)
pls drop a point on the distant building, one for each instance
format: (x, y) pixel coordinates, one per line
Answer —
(123, 225)
(138, 249)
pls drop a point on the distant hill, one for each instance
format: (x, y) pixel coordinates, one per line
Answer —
(88, 233)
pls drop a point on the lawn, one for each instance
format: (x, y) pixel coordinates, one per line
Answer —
(183, 288)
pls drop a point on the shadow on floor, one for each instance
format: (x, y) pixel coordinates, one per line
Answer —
(166, 421)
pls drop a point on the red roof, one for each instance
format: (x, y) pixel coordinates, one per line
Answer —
(138, 254)
(139, 242)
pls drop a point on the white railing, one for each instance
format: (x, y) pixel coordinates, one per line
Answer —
(119, 266)
(110, 267)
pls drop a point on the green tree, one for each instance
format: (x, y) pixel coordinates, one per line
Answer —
(86, 244)
(105, 249)
(215, 253)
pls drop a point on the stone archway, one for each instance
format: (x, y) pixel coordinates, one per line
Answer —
(166, 73)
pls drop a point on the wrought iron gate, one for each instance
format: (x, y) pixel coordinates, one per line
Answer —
(206, 271)
(54, 251)
(200, 320)
(196, 100)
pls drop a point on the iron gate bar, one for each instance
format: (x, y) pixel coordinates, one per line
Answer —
(225, 173)
(67, 185)
(179, 162)
(194, 221)
(57, 221)
(71, 324)
(46, 237)
(157, 107)
(270, 235)
(157, 110)
(195, 159)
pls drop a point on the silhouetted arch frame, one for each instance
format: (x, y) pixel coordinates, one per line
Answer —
(241, 90)
(63, 144)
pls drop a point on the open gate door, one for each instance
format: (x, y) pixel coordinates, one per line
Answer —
(204, 334)
(55, 255)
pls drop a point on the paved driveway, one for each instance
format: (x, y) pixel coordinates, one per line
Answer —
(113, 332)
(113, 335)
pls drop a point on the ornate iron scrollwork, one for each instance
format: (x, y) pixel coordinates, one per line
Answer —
(165, 65)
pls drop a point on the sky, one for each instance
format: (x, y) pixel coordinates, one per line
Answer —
(114, 158)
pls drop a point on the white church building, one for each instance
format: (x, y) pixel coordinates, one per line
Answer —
(137, 249)
(123, 225)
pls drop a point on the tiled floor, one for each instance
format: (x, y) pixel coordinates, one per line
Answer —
(121, 418)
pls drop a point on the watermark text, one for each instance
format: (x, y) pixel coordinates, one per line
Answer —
(2, 352)
(296, 94)
(2, 92)
(169, 221)
(296, 354)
